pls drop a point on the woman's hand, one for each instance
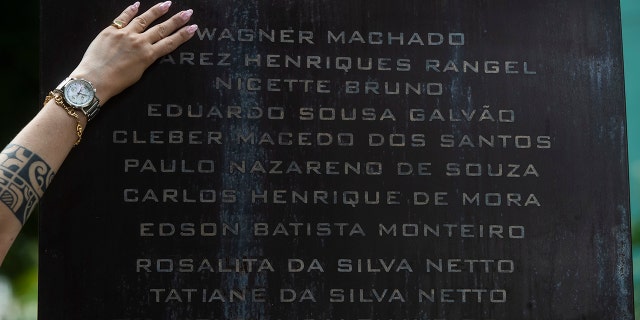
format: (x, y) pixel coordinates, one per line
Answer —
(116, 59)
(119, 55)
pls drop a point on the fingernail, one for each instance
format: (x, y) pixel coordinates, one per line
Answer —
(165, 5)
(136, 5)
(186, 14)
(192, 28)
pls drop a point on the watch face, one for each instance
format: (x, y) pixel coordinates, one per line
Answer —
(79, 93)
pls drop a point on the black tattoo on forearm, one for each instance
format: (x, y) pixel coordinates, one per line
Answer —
(23, 178)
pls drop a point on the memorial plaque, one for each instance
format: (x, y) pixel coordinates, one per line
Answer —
(348, 160)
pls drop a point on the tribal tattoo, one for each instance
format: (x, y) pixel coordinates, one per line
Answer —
(23, 178)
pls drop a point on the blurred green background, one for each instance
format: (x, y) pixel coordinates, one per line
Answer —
(21, 100)
(631, 43)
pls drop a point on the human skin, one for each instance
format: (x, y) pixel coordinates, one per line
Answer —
(114, 60)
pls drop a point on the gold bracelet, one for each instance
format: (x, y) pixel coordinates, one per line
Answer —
(71, 112)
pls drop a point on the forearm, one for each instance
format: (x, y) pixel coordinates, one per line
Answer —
(51, 134)
(115, 59)
(27, 166)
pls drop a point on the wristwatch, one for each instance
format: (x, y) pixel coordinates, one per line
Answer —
(80, 95)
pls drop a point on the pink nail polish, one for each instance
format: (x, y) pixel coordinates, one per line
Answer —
(192, 28)
(165, 5)
(186, 14)
(136, 5)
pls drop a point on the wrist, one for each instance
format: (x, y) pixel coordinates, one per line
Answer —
(102, 90)
(56, 98)
(81, 95)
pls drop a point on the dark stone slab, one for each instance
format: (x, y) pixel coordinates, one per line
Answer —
(349, 160)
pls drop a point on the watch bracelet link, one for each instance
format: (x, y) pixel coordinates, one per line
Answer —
(91, 110)
(59, 100)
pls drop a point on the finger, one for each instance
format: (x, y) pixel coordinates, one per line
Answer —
(170, 43)
(166, 28)
(141, 22)
(125, 17)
